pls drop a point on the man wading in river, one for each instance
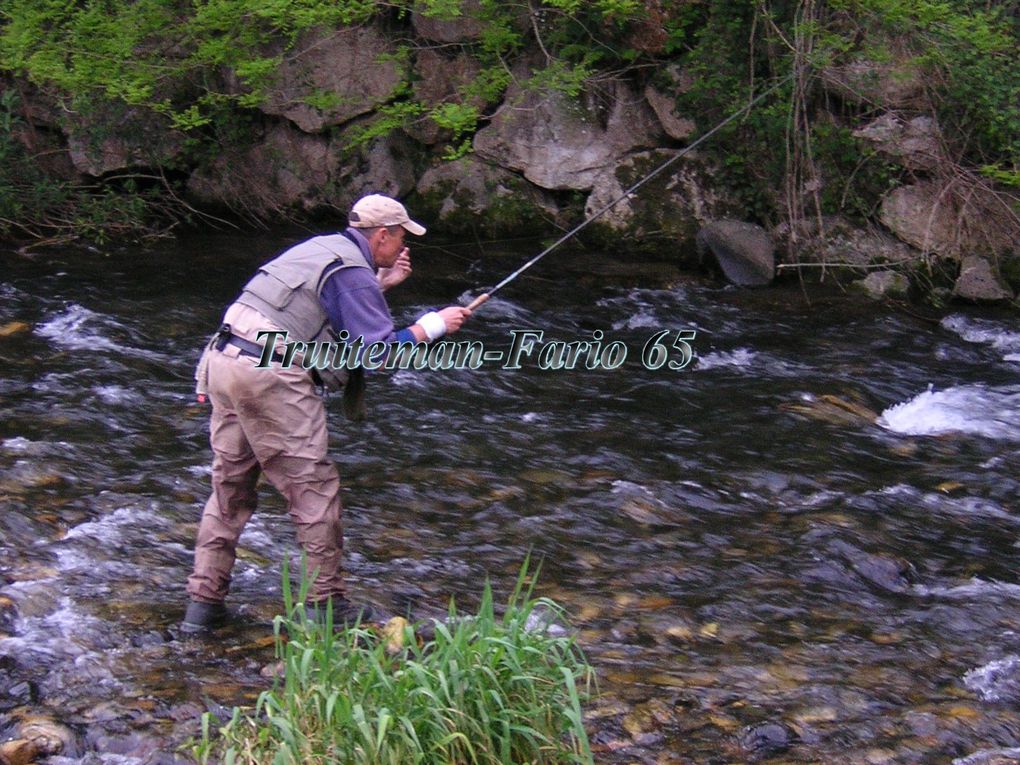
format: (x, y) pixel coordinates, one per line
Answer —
(267, 415)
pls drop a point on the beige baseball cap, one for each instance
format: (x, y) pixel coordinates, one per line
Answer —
(379, 210)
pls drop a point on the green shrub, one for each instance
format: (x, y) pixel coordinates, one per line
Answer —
(484, 689)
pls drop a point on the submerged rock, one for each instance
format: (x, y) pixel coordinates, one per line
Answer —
(18, 752)
(8, 615)
(47, 736)
(12, 328)
(766, 739)
(833, 410)
(884, 572)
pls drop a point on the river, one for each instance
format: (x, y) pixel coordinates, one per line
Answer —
(757, 566)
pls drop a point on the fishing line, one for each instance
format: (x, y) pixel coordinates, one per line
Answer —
(746, 108)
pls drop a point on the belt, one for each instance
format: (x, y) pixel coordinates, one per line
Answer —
(248, 348)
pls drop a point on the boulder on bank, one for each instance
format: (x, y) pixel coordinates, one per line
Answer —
(661, 96)
(979, 281)
(744, 251)
(894, 80)
(672, 206)
(333, 76)
(385, 166)
(440, 79)
(142, 139)
(834, 242)
(287, 168)
(920, 216)
(883, 284)
(952, 218)
(462, 27)
(282, 169)
(471, 194)
(915, 143)
(557, 143)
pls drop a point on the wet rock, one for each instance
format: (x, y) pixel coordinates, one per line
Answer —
(150, 639)
(745, 252)
(132, 747)
(459, 192)
(189, 710)
(766, 739)
(834, 410)
(283, 167)
(883, 284)
(646, 721)
(384, 166)
(884, 572)
(48, 736)
(15, 689)
(880, 757)
(143, 139)
(671, 206)
(275, 671)
(18, 752)
(922, 724)
(8, 615)
(12, 328)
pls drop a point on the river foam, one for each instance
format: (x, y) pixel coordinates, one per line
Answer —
(985, 332)
(979, 410)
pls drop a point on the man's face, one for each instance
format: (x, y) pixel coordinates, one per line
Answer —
(386, 247)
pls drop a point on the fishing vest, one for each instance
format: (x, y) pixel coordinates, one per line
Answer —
(286, 291)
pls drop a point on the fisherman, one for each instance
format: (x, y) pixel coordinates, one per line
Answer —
(269, 417)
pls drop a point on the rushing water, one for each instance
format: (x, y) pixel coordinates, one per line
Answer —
(757, 567)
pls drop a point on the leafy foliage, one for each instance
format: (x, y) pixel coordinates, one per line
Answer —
(208, 65)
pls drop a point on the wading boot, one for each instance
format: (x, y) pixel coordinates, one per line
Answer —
(345, 613)
(203, 617)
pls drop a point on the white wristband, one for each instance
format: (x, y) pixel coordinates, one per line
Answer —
(433, 325)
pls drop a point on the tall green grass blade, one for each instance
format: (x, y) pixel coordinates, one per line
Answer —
(487, 689)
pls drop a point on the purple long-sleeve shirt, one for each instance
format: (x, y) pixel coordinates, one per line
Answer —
(354, 302)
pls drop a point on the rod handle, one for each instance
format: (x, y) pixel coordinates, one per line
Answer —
(478, 301)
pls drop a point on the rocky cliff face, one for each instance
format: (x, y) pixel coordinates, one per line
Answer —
(542, 158)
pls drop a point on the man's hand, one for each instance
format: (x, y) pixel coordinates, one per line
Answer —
(395, 274)
(435, 324)
(454, 316)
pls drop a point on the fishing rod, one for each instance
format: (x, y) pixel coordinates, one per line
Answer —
(747, 107)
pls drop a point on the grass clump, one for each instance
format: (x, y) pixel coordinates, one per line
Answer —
(485, 689)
